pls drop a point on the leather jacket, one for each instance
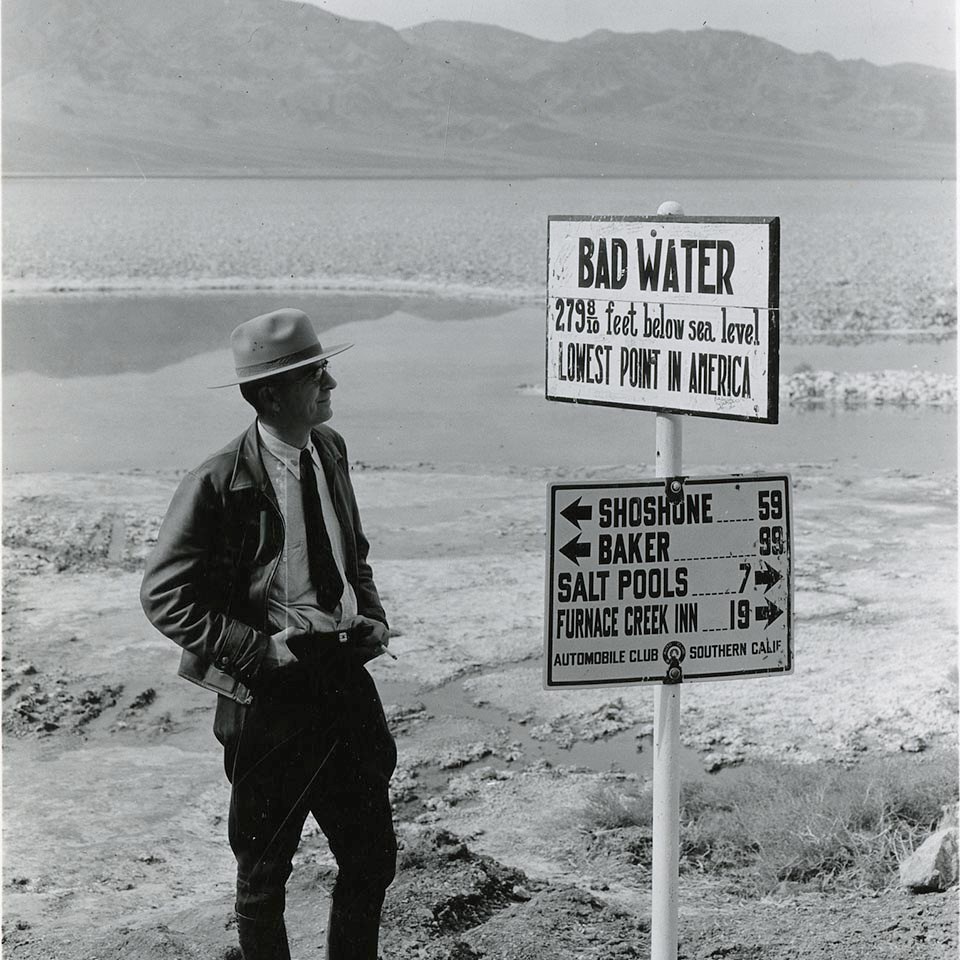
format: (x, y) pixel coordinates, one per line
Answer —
(208, 577)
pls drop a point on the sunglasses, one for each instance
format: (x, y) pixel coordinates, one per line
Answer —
(314, 375)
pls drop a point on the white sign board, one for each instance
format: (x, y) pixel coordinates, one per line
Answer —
(675, 314)
(656, 581)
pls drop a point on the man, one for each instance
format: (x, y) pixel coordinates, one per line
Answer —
(260, 574)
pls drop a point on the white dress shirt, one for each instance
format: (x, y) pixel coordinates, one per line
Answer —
(292, 598)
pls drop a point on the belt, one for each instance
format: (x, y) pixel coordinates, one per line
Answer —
(333, 636)
(314, 647)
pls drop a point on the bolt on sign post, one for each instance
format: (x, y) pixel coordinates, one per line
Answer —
(674, 579)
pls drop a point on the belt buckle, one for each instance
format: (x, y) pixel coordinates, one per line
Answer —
(342, 636)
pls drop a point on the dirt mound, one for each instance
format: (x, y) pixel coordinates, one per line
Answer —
(450, 903)
(564, 924)
(443, 888)
(888, 926)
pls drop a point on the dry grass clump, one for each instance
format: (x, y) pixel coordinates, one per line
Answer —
(609, 809)
(823, 825)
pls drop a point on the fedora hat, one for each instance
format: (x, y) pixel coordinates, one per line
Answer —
(275, 342)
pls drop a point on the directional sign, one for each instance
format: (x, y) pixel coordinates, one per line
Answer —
(656, 581)
(676, 314)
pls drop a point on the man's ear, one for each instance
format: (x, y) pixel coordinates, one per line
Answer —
(267, 397)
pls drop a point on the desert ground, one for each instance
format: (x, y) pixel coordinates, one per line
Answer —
(114, 799)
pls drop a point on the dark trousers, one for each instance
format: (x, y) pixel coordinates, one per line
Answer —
(314, 742)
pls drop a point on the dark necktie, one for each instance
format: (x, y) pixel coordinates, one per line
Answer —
(323, 568)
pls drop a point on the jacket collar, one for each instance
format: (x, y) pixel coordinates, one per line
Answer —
(248, 469)
(326, 448)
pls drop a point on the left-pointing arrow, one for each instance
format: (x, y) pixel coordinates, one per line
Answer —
(575, 549)
(575, 513)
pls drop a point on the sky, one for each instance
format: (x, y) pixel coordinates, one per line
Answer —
(881, 31)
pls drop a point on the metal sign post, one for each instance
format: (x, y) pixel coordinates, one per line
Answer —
(666, 736)
(666, 755)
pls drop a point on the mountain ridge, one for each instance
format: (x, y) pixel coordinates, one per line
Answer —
(270, 87)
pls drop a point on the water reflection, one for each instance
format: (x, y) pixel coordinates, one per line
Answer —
(78, 335)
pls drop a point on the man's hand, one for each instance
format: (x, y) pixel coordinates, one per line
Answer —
(278, 654)
(368, 638)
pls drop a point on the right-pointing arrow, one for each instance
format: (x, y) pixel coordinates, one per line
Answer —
(767, 577)
(769, 613)
(575, 549)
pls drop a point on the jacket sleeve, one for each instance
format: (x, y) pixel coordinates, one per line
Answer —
(368, 599)
(177, 589)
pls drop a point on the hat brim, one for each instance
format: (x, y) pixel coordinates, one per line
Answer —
(266, 375)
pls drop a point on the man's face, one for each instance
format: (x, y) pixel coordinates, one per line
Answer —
(304, 396)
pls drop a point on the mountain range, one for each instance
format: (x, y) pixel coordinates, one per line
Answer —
(279, 88)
